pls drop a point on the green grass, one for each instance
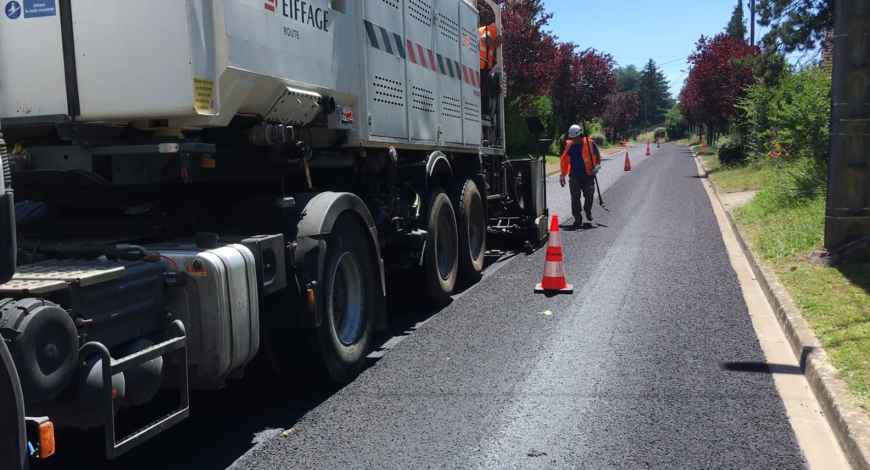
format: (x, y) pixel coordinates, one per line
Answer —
(690, 141)
(780, 231)
(647, 137)
(736, 179)
(834, 301)
(705, 152)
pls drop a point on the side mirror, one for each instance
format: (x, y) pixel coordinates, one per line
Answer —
(8, 246)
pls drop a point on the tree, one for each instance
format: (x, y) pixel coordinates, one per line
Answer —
(582, 83)
(528, 49)
(737, 26)
(794, 114)
(675, 124)
(655, 97)
(796, 24)
(620, 111)
(769, 65)
(716, 82)
(627, 79)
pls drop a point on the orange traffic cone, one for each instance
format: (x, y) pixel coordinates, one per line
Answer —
(704, 144)
(647, 148)
(627, 162)
(624, 143)
(554, 269)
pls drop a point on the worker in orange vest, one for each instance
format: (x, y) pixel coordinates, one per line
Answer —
(489, 42)
(581, 161)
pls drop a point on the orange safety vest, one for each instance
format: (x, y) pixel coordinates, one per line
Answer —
(588, 157)
(487, 55)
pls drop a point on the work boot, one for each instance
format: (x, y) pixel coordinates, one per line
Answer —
(589, 215)
(578, 221)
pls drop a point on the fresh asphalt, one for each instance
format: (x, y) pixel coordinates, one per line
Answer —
(637, 369)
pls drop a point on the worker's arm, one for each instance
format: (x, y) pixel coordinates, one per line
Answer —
(597, 153)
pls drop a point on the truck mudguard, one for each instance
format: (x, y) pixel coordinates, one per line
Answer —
(318, 214)
(437, 164)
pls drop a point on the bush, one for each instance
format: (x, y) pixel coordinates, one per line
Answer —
(731, 150)
(791, 119)
(647, 137)
(659, 133)
(807, 178)
(599, 139)
(675, 125)
(519, 139)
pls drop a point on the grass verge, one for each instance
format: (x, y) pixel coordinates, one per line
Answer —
(644, 138)
(689, 141)
(835, 301)
(736, 179)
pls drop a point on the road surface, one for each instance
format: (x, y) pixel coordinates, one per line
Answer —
(640, 368)
(632, 371)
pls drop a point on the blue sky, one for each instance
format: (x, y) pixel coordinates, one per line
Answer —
(633, 31)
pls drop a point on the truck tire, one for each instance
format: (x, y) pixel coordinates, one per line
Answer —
(14, 439)
(471, 219)
(441, 254)
(335, 352)
(345, 334)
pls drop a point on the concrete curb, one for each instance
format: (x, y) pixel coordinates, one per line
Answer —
(850, 425)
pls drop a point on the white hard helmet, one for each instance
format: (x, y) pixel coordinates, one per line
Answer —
(575, 131)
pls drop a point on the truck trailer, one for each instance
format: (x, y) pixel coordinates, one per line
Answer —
(190, 183)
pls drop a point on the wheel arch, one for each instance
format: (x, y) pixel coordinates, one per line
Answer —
(437, 166)
(318, 216)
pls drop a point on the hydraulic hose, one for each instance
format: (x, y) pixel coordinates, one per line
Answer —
(7, 172)
(8, 248)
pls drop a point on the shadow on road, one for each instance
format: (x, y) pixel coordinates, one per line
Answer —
(225, 424)
(761, 367)
(586, 226)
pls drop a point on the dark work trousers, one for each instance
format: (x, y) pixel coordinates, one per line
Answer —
(587, 188)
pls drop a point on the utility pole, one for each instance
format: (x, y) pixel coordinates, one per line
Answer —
(847, 213)
(752, 22)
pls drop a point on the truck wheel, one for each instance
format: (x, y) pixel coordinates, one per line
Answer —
(13, 441)
(472, 231)
(441, 255)
(348, 302)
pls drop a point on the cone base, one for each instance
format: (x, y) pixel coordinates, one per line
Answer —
(568, 289)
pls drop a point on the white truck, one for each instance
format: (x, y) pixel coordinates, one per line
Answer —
(201, 181)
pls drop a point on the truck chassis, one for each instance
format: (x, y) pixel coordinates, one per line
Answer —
(143, 257)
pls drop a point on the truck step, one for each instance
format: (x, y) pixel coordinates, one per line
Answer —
(48, 276)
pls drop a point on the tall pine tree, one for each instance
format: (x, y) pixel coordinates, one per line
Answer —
(795, 25)
(737, 26)
(627, 79)
(654, 97)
